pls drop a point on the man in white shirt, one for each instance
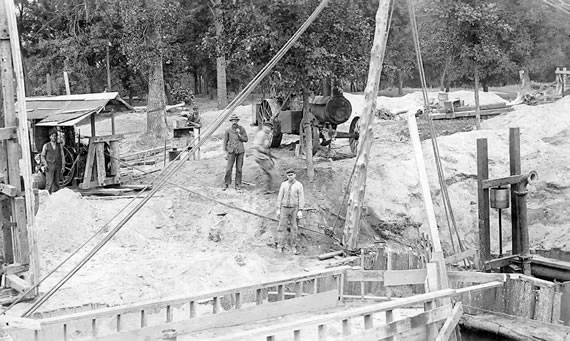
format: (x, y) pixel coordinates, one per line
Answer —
(290, 203)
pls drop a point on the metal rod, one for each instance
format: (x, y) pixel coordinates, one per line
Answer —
(500, 233)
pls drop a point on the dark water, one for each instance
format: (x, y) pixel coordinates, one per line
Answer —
(472, 335)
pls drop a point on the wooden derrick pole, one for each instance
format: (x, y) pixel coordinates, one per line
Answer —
(22, 207)
(357, 190)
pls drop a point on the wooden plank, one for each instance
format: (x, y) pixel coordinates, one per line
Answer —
(431, 281)
(330, 255)
(16, 283)
(175, 300)
(9, 190)
(450, 324)
(424, 183)
(9, 133)
(460, 256)
(311, 303)
(500, 262)
(483, 200)
(557, 308)
(508, 180)
(115, 165)
(550, 262)
(398, 327)
(89, 163)
(108, 138)
(365, 275)
(475, 277)
(480, 287)
(342, 315)
(543, 306)
(22, 255)
(100, 163)
(404, 277)
(535, 281)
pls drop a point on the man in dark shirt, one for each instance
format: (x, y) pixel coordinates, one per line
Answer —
(234, 137)
(53, 161)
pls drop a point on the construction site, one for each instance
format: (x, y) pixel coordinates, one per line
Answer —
(417, 225)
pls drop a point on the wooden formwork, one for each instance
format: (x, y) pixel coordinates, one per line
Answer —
(310, 298)
(308, 292)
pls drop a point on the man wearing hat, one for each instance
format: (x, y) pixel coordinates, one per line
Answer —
(290, 203)
(262, 153)
(53, 161)
(234, 137)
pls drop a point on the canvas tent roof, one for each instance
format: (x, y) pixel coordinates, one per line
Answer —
(69, 110)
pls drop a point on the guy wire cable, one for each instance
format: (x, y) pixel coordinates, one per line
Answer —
(169, 172)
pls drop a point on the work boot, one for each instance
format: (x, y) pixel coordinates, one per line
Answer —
(225, 187)
(238, 188)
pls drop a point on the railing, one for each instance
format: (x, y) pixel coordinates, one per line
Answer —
(308, 292)
(371, 322)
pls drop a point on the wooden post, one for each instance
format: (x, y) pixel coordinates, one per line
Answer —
(477, 107)
(112, 122)
(108, 70)
(483, 201)
(48, 84)
(66, 80)
(22, 150)
(92, 117)
(357, 190)
(515, 168)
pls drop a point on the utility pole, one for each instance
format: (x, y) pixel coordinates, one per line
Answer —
(358, 188)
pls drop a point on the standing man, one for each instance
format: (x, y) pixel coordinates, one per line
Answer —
(53, 161)
(262, 154)
(234, 137)
(290, 203)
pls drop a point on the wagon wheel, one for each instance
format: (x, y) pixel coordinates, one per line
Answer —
(354, 130)
(303, 138)
(69, 170)
(276, 135)
(269, 112)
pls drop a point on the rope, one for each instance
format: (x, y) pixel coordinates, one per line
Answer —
(169, 171)
(441, 177)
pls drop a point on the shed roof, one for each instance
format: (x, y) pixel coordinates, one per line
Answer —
(71, 109)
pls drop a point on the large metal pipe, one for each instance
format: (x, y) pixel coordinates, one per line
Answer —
(521, 192)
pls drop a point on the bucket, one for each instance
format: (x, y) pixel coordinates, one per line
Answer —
(38, 180)
(172, 154)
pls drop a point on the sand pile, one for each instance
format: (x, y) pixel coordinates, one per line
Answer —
(545, 147)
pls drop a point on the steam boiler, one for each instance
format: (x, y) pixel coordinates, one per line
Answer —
(328, 113)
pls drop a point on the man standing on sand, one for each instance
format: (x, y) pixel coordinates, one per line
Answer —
(53, 161)
(290, 203)
(234, 137)
(262, 154)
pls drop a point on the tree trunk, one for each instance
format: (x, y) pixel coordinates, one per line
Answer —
(400, 83)
(443, 74)
(221, 60)
(308, 129)
(477, 108)
(156, 113)
(357, 190)
(326, 86)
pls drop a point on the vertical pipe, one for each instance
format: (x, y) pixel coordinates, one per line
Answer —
(66, 80)
(523, 226)
(515, 168)
(500, 233)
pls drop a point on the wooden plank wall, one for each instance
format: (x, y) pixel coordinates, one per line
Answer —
(521, 295)
(386, 259)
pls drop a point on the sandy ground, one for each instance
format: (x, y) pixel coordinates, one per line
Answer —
(180, 243)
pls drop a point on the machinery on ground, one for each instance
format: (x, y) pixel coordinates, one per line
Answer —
(328, 111)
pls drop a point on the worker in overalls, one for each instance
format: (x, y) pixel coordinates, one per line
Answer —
(290, 203)
(53, 161)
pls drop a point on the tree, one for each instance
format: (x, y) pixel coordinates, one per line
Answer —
(148, 39)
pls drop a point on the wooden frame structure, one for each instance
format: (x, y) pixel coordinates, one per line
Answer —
(517, 183)
(184, 317)
(17, 202)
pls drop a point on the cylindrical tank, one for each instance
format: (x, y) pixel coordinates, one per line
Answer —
(334, 109)
(499, 197)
